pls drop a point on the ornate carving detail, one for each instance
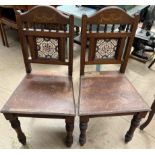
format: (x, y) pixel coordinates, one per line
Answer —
(111, 17)
(44, 18)
(47, 48)
(106, 48)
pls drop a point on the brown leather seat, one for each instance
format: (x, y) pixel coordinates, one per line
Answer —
(44, 94)
(105, 93)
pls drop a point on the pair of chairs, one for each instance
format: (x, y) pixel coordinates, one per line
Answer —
(43, 33)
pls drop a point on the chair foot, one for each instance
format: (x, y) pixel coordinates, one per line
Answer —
(134, 124)
(15, 124)
(69, 129)
(83, 128)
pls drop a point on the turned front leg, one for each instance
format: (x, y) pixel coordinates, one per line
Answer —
(83, 128)
(15, 124)
(69, 129)
(134, 124)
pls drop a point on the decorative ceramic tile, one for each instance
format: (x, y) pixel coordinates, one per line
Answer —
(106, 48)
(47, 48)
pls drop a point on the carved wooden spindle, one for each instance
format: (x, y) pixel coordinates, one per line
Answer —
(77, 30)
(98, 27)
(83, 128)
(105, 28)
(49, 27)
(128, 28)
(42, 27)
(15, 124)
(134, 124)
(120, 28)
(69, 129)
(45, 26)
(112, 28)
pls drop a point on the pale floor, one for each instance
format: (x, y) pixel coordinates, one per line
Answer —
(104, 132)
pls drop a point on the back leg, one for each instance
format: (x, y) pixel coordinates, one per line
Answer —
(151, 114)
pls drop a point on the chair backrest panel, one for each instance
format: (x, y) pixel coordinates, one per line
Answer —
(111, 16)
(44, 14)
(110, 33)
(44, 33)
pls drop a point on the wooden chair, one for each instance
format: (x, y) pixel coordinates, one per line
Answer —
(7, 17)
(44, 95)
(151, 114)
(110, 32)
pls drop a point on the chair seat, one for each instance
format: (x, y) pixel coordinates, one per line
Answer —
(42, 94)
(108, 93)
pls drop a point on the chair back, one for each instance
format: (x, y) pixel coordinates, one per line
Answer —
(44, 33)
(110, 33)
